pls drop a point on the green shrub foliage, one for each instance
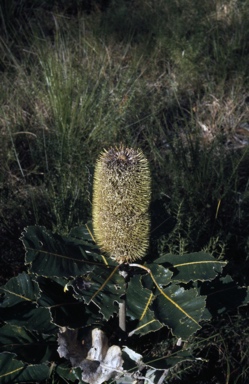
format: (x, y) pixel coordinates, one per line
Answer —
(69, 285)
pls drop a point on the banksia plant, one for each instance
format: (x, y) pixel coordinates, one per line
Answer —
(121, 198)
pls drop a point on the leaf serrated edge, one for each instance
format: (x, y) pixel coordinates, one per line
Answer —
(19, 295)
(104, 284)
(164, 294)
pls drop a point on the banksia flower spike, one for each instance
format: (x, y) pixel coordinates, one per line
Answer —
(121, 198)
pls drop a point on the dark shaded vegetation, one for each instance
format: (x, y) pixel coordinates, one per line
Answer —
(168, 77)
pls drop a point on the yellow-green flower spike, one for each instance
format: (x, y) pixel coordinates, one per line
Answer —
(121, 198)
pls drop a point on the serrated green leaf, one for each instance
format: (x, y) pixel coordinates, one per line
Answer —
(138, 302)
(65, 309)
(18, 305)
(105, 287)
(15, 371)
(10, 368)
(54, 256)
(84, 233)
(162, 276)
(29, 316)
(223, 295)
(138, 298)
(29, 346)
(192, 267)
(21, 288)
(179, 309)
(50, 254)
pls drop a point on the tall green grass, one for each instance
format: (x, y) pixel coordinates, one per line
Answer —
(70, 98)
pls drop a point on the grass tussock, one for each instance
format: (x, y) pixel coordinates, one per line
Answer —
(168, 77)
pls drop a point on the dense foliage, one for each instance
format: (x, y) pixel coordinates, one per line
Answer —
(68, 284)
(167, 77)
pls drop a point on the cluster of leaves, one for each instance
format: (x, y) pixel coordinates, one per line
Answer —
(69, 284)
